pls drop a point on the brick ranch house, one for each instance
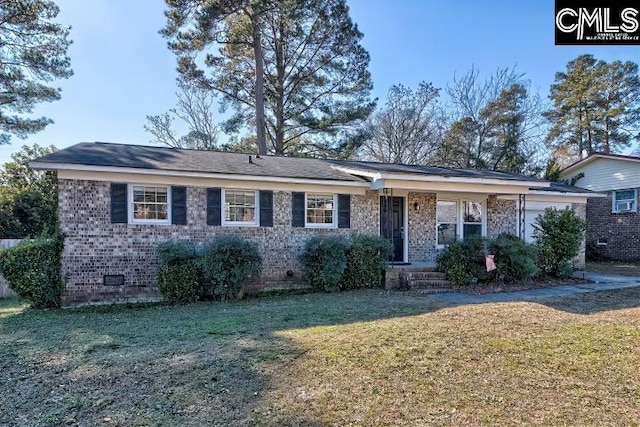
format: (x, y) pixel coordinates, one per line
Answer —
(614, 220)
(117, 202)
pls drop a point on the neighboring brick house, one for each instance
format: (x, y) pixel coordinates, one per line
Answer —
(614, 221)
(117, 202)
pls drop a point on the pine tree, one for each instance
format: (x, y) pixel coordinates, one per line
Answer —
(33, 53)
(596, 106)
(296, 64)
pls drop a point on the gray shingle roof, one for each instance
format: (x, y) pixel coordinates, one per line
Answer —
(432, 170)
(181, 160)
(172, 159)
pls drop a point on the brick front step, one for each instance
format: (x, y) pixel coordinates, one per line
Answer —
(426, 275)
(426, 284)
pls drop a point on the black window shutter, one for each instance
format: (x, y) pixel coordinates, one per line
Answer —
(297, 209)
(344, 211)
(178, 205)
(266, 208)
(214, 206)
(119, 213)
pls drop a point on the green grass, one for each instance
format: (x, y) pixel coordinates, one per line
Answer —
(625, 268)
(356, 358)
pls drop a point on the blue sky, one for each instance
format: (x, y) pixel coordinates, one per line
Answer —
(123, 70)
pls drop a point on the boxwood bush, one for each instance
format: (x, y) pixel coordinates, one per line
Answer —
(229, 262)
(179, 275)
(366, 260)
(324, 260)
(513, 257)
(454, 262)
(32, 270)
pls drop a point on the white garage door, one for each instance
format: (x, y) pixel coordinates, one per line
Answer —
(532, 210)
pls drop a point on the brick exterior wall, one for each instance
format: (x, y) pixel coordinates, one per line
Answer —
(620, 230)
(501, 216)
(95, 247)
(422, 227)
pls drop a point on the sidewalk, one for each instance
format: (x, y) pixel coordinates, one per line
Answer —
(601, 282)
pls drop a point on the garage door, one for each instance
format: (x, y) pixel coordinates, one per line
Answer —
(532, 210)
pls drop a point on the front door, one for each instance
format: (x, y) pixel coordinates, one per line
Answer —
(392, 225)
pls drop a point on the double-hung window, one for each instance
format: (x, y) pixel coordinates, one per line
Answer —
(458, 219)
(240, 207)
(320, 210)
(447, 218)
(150, 204)
(625, 200)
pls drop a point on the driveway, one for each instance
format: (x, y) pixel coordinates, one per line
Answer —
(601, 282)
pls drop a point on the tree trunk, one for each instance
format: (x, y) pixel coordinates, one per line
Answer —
(257, 53)
(279, 110)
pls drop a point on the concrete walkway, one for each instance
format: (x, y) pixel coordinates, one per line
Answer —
(601, 282)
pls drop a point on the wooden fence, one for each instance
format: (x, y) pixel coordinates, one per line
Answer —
(5, 291)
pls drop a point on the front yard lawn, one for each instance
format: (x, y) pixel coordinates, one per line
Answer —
(624, 268)
(355, 358)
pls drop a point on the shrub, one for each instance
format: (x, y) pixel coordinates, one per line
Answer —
(366, 260)
(513, 257)
(558, 235)
(324, 261)
(475, 249)
(454, 262)
(179, 276)
(229, 262)
(32, 270)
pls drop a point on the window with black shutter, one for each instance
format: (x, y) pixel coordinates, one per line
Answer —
(178, 205)
(119, 214)
(266, 208)
(214, 206)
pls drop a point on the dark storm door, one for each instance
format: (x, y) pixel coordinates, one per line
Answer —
(392, 225)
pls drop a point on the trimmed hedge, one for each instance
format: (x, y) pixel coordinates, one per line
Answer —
(366, 260)
(331, 263)
(32, 270)
(229, 262)
(179, 276)
(324, 260)
(464, 261)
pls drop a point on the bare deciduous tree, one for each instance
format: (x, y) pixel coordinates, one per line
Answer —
(195, 110)
(408, 129)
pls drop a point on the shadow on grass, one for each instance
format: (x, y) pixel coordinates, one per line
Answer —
(199, 364)
(595, 302)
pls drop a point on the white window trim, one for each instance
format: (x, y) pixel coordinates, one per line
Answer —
(130, 205)
(614, 201)
(254, 223)
(457, 222)
(460, 219)
(334, 219)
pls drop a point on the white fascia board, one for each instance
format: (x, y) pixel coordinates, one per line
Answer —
(222, 176)
(551, 196)
(452, 187)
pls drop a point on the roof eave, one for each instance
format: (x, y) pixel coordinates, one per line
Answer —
(193, 174)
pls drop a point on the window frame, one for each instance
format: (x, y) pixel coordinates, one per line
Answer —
(334, 215)
(460, 220)
(256, 209)
(131, 205)
(614, 201)
(456, 223)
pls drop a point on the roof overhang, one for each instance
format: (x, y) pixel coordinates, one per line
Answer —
(424, 182)
(191, 174)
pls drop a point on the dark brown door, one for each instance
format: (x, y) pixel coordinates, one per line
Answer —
(392, 225)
